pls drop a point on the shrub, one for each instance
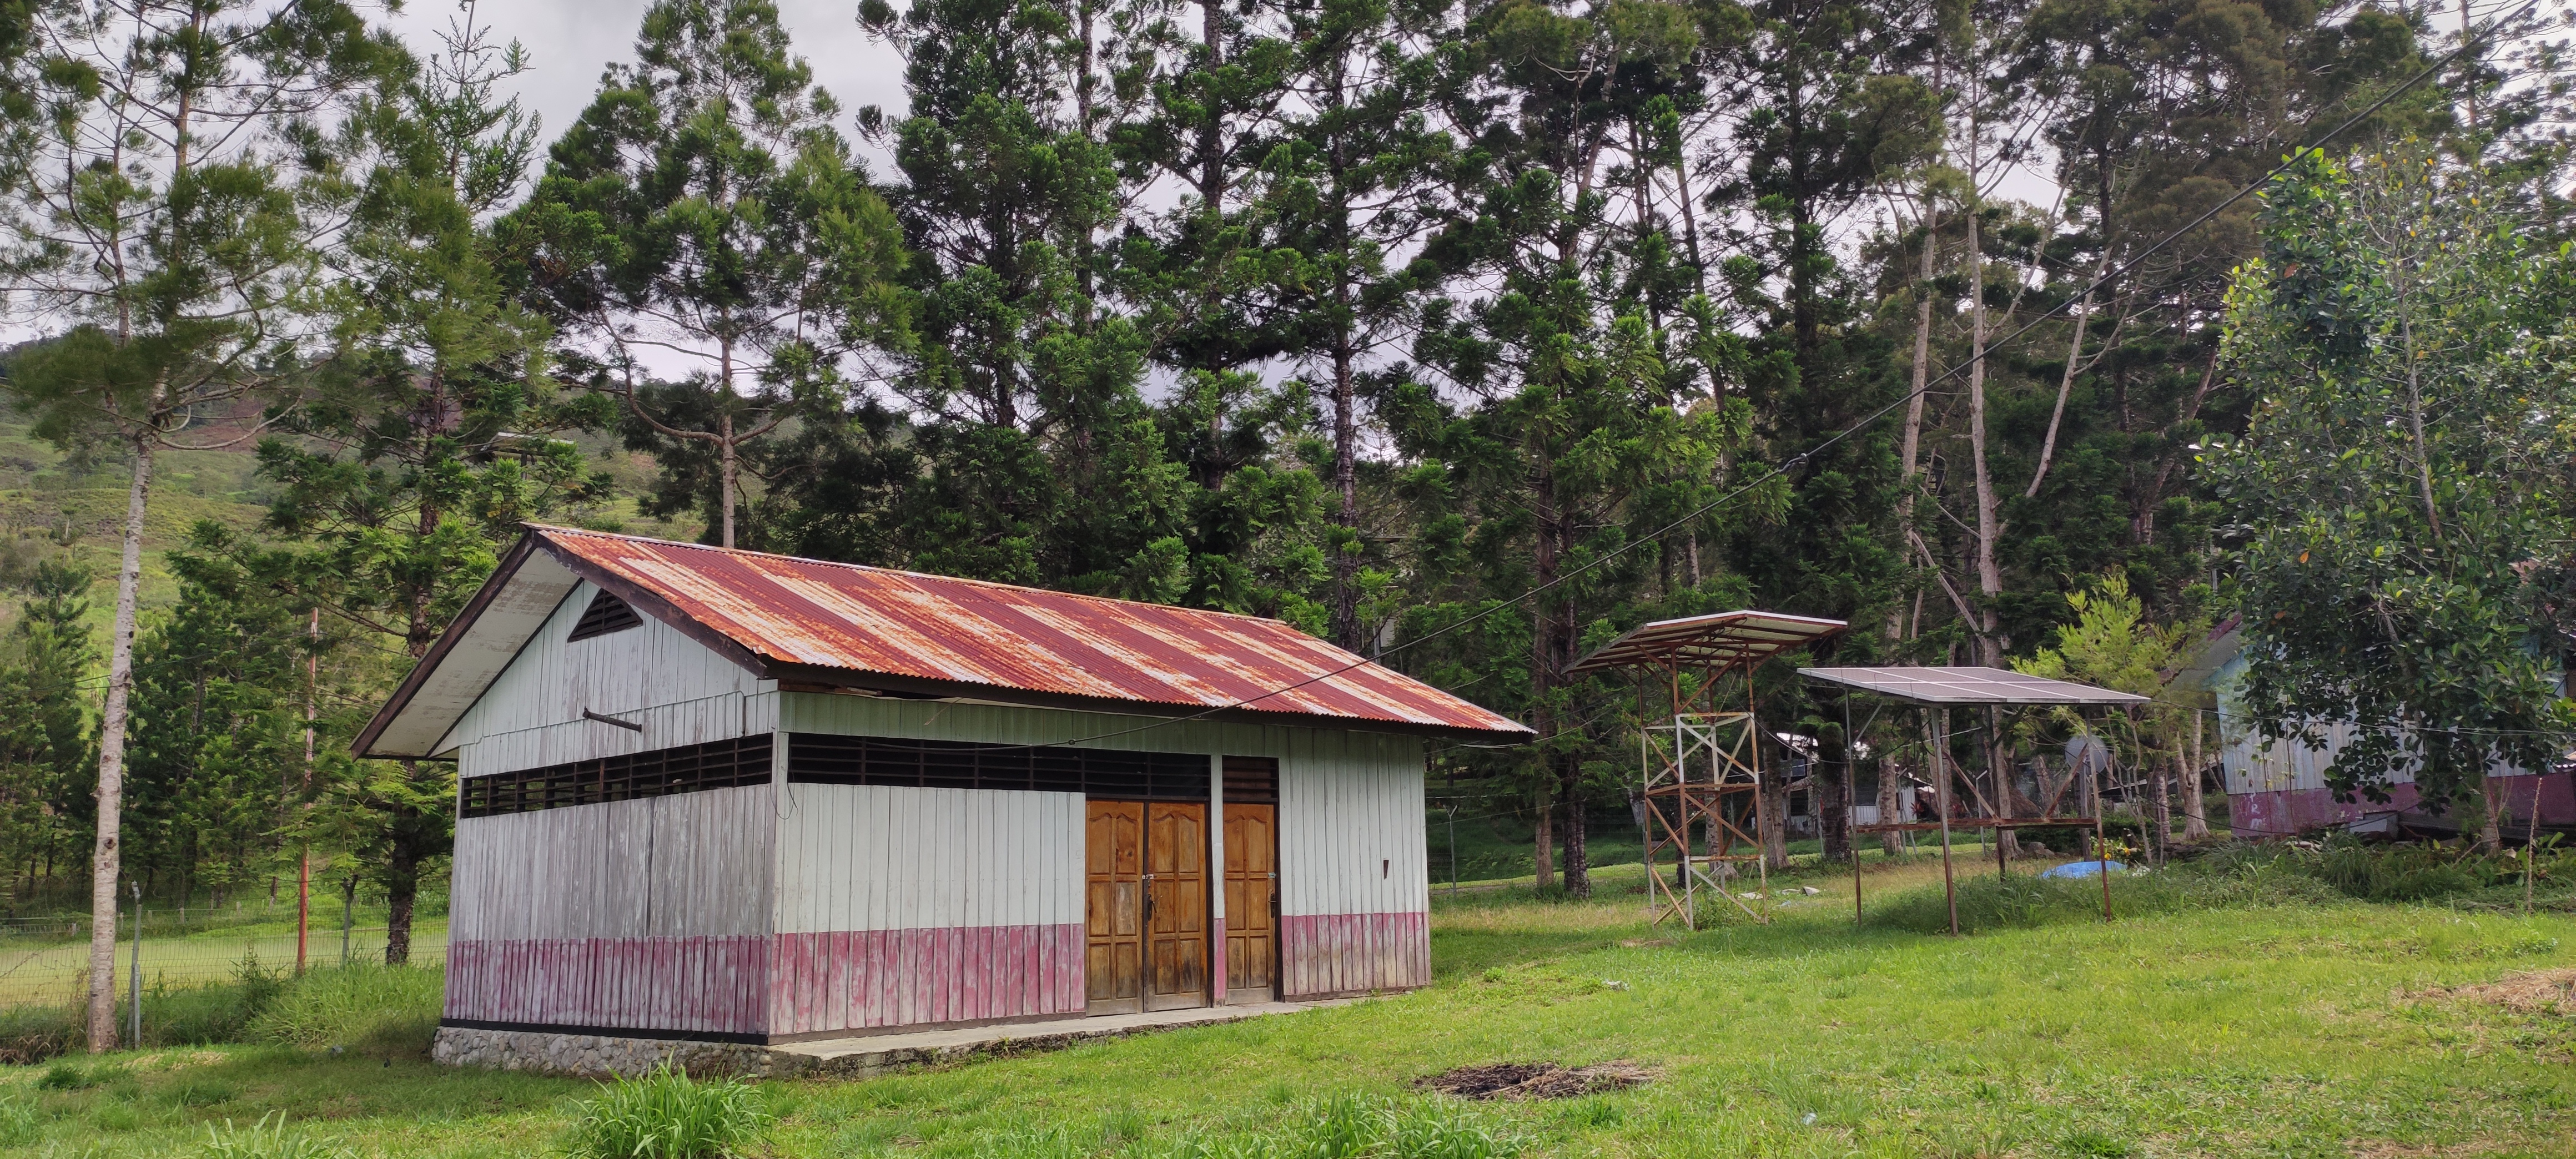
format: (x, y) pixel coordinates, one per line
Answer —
(32, 1034)
(382, 1010)
(266, 1139)
(200, 1015)
(668, 1115)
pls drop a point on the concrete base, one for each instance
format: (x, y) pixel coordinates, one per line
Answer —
(599, 1056)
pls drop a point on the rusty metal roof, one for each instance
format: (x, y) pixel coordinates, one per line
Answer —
(1716, 640)
(837, 624)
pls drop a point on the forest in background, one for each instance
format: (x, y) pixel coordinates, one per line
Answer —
(1462, 335)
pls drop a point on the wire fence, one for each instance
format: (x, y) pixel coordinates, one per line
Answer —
(45, 962)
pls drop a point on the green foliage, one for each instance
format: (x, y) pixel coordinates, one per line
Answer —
(381, 1010)
(668, 1115)
(198, 1015)
(2111, 644)
(2401, 486)
(705, 205)
(269, 1138)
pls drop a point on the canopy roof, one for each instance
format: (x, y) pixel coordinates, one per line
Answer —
(1716, 640)
(1967, 686)
(843, 625)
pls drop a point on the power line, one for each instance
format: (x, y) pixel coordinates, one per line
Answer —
(1800, 459)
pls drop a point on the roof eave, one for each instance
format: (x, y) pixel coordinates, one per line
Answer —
(502, 573)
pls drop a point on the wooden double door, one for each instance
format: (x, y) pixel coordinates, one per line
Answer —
(1146, 898)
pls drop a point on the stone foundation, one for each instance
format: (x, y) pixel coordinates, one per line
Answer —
(601, 1056)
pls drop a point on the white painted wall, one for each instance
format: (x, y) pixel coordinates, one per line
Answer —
(873, 857)
(681, 691)
(1351, 838)
(694, 864)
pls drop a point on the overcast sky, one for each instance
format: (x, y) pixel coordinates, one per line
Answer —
(569, 41)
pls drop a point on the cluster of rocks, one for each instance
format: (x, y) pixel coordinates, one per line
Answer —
(600, 1056)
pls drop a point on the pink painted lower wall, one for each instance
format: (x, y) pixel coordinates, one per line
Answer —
(717, 985)
(1349, 953)
(2288, 812)
(877, 978)
(771, 984)
(794, 984)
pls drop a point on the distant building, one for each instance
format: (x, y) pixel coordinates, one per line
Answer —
(736, 797)
(2280, 790)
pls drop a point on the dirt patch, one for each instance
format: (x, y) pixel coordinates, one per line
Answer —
(2533, 992)
(1512, 1081)
(2384, 1149)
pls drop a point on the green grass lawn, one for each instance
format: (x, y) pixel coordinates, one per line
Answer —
(2308, 1029)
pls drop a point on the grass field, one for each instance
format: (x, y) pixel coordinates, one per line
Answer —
(2311, 1028)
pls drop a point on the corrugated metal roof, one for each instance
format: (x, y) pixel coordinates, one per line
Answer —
(1716, 640)
(1967, 686)
(814, 615)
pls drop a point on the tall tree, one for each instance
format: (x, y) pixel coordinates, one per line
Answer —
(2399, 504)
(1569, 396)
(704, 216)
(433, 434)
(45, 762)
(158, 212)
(1344, 198)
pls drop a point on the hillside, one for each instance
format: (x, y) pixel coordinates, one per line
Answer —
(56, 506)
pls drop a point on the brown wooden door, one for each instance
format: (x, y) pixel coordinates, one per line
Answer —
(1114, 907)
(1251, 902)
(1176, 883)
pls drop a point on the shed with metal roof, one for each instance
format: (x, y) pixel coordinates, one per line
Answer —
(729, 796)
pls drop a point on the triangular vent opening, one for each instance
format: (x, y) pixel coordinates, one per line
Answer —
(606, 614)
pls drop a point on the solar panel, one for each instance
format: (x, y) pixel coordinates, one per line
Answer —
(1967, 686)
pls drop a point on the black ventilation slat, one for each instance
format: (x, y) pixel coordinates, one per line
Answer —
(723, 764)
(1252, 780)
(830, 759)
(605, 614)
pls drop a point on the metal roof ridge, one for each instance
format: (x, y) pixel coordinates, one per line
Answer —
(551, 529)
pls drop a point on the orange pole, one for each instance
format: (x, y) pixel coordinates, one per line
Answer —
(304, 868)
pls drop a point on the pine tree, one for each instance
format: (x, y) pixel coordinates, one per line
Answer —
(703, 213)
(433, 435)
(157, 213)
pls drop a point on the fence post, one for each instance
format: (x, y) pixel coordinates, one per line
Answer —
(134, 971)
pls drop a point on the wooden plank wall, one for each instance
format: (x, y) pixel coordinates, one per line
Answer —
(900, 906)
(531, 715)
(651, 914)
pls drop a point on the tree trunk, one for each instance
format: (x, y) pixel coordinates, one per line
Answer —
(1774, 827)
(1990, 585)
(2195, 806)
(724, 472)
(1570, 834)
(1833, 796)
(1912, 455)
(402, 887)
(107, 854)
(1543, 852)
(2491, 828)
(1890, 810)
(2160, 794)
